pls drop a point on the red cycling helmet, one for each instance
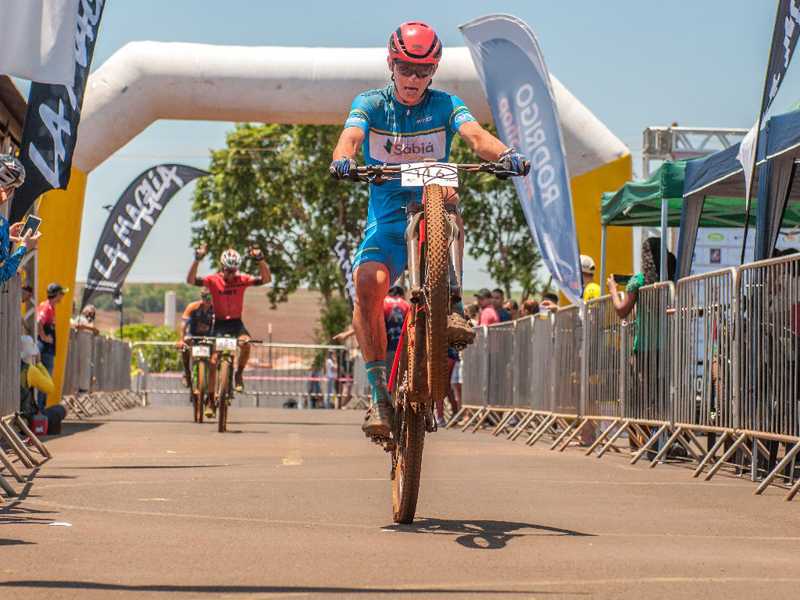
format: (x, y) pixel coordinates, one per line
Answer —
(415, 42)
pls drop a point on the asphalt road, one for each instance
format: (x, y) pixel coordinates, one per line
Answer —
(296, 504)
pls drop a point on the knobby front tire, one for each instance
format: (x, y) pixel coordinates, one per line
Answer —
(409, 436)
(224, 376)
(437, 290)
(202, 392)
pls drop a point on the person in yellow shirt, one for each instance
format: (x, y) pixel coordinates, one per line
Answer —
(590, 289)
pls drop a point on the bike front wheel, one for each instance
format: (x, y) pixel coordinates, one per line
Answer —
(224, 378)
(436, 279)
(409, 436)
(202, 392)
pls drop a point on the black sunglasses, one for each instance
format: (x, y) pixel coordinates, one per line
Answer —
(407, 69)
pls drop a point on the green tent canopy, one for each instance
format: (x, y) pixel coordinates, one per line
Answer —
(638, 203)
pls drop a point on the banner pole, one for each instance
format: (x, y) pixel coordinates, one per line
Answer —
(754, 169)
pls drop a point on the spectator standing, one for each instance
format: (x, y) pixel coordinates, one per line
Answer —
(85, 320)
(488, 313)
(395, 308)
(453, 390)
(331, 376)
(499, 299)
(472, 312)
(530, 307)
(46, 332)
(27, 296)
(590, 289)
(646, 351)
(549, 302)
(12, 175)
(512, 308)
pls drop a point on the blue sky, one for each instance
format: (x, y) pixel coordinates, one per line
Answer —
(633, 63)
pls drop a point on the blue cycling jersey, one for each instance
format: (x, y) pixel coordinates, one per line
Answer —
(396, 133)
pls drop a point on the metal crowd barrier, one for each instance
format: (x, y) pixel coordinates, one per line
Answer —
(97, 378)
(707, 370)
(96, 363)
(10, 332)
(705, 337)
(603, 360)
(566, 356)
(301, 375)
(769, 333)
(646, 344)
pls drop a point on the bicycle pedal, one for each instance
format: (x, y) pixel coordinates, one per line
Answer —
(387, 443)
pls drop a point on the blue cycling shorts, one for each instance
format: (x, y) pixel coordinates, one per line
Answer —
(384, 242)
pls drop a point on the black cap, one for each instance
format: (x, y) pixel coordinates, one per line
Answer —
(484, 293)
(54, 289)
(397, 290)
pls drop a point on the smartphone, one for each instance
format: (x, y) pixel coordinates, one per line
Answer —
(31, 223)
(621, 279)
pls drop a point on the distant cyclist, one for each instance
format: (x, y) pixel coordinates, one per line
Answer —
(406, 121)
(227, 288)
(198, 320)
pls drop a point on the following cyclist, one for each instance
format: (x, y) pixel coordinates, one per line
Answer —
(227, 288)
(406, 121)
(198, 320)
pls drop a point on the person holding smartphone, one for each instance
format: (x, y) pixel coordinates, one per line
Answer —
(12, 175)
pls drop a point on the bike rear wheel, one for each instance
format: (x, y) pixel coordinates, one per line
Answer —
(409, 429)
(224, 377)
(436, 279)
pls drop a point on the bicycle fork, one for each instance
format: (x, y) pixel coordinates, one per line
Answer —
(412, 236)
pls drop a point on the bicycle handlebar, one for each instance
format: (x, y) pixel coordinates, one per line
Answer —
(385, 172)
(211, 339)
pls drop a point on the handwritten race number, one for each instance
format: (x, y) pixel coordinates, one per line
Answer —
(226, 344)
(427, 173)
(201, 351)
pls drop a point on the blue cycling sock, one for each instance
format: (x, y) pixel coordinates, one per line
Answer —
(376, 376)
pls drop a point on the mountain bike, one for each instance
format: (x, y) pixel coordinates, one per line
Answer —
(226, 348)
(201, 364)
(420, 369)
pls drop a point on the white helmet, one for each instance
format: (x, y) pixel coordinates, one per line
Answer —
(12, 173)
(587, 265)
(230, 259)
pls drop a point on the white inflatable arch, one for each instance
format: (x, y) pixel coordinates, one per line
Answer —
(147, 81)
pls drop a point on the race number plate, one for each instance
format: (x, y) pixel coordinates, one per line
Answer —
(226, 344)
(201, 351)
(426, 173)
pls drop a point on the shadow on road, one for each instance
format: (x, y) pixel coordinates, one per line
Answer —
(14, 514)
(69, 428)
(483, 535)
(134, 467)
(263, 589)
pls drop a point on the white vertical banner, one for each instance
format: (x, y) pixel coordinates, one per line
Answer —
(515, 78)
(37, 39)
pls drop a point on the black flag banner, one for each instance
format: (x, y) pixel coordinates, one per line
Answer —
(342, 253)
(51, 122)
(129, 223)
(784, 40)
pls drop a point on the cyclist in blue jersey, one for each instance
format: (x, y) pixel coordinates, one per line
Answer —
(406, 121)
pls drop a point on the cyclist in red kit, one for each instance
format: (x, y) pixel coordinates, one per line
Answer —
(227, 288)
